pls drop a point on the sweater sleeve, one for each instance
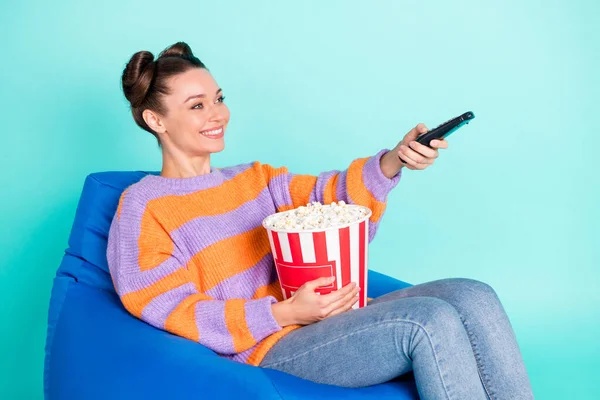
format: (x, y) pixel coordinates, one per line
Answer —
(361, 183)
(155, 285)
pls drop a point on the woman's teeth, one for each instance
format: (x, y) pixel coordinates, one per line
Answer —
(215, 132)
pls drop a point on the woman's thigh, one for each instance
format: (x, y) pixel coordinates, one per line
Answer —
(378, 343)
(458, 292)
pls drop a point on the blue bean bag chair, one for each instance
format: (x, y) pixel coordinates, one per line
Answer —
(95, 349)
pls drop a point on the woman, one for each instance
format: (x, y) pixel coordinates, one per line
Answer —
(188, 254)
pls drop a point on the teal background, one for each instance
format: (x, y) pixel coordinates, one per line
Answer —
(313, 85)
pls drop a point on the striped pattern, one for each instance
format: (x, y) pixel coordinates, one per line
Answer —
(304, 256)
(190, 256)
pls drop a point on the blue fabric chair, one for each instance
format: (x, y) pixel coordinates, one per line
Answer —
(96, 350)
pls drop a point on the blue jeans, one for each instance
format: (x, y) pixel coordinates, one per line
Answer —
(452, 333)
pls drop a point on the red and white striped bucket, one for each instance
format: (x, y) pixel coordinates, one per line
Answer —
(305, 255)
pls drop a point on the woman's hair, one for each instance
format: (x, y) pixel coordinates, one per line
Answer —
(144, 79)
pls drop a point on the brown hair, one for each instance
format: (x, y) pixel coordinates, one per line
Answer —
(144, 79)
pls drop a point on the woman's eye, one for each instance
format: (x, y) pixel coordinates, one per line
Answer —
(221, 99)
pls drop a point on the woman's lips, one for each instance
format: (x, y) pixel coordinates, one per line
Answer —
(214, 133)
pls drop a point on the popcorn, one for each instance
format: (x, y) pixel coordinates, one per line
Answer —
(320, 241)
(317, 216)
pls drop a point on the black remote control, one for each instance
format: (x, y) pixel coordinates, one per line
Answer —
(444, 130)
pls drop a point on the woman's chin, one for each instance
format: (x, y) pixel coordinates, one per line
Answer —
(213, 147)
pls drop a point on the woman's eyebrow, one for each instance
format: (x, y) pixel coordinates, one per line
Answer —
(194, 96)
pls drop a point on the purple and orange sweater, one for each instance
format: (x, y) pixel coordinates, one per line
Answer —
(190, 255)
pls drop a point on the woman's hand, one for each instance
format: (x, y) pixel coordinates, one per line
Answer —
(306, 306)
(414, 154)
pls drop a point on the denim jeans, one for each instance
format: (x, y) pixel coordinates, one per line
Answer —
(453, 334)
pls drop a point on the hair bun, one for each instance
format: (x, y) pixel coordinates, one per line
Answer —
(137, 77)
(179, 49)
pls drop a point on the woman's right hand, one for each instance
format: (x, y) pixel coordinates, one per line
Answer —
(306, 306)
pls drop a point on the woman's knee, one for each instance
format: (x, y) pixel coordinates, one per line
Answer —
(436, 314)
(473, 290)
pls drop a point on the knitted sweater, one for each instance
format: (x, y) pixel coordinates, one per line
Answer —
(190, 255)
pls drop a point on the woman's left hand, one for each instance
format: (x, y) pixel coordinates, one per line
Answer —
(415, 155)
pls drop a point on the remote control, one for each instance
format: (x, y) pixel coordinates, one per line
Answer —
(444, 130)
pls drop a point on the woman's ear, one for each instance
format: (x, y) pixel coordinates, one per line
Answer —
(153, 121)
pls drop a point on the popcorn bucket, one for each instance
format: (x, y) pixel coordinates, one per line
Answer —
(305, 255)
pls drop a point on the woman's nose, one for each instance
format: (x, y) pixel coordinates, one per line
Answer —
(218, 115)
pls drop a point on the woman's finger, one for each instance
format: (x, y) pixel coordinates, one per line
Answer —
(338, 294)
(424, 150)
(419, 129)
(406, 160)
(411, 157)
(345, 307)
(341, 302)
(439, 144)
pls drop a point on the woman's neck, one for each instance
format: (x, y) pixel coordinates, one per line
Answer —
(185, 167)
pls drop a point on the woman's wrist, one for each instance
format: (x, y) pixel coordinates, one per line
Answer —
(282, 313)
(390, 164)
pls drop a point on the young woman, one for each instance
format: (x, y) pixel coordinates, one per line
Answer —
(188, 254)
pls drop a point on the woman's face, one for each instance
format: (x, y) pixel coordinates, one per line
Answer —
(194, 107)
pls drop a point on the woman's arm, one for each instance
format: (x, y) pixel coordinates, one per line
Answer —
(363, 183)
(367, 181)
(157, 287)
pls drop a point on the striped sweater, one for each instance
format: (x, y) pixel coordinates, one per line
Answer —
(190, 255)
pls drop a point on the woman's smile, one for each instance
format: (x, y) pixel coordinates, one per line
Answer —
(213, 133)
